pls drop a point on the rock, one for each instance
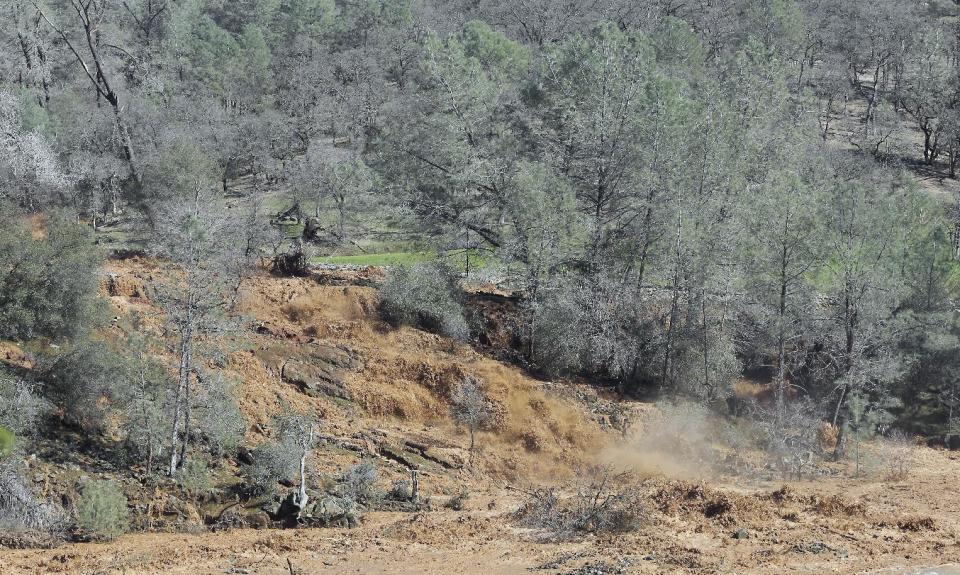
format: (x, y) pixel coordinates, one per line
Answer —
(815, 547)
(404, 457)
(334, 356)
(316, 379)
(259, 520)
(449, 458)
(245, 456)
(333, 511)
(289, 511)
(740, 534)
(272, 508)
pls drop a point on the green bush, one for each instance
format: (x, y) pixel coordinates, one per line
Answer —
(48, 283)
(102, 511)
(195, 478)
(426, 296)
(78, 378)
(6, 442)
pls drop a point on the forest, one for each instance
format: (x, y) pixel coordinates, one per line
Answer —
(747, 207)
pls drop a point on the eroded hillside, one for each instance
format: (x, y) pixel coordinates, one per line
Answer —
(703, 504)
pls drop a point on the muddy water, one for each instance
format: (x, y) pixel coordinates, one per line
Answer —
(942, 570)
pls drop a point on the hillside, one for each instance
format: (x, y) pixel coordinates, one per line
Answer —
(561, 286)
(384, 396)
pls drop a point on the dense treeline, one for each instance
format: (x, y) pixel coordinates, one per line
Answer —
(685, 193)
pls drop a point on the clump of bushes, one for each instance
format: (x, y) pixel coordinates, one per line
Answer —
(20, 510)
(426, 296)
(102, 511)
(359, 483)
(602, 504)
(48, 282)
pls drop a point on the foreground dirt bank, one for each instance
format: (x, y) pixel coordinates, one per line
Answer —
(833, 525)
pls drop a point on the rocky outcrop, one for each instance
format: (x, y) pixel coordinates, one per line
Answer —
(322, 510)
(322, 372)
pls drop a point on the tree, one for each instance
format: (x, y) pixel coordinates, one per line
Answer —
(143, 399)
(286, 455)
(82, 36)
(470, 407)
(591, 99)
(200, 241)
(449, 156)
(926, 92)
(867, 216)
(866, 419)
(781, 248)
(33, 174)
(345, 182)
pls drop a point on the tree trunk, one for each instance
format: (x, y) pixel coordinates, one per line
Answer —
(666, 374)
(181, 397)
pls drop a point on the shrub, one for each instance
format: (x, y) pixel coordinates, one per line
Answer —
(195, 478)
(218, 415)
(592, 326)
(79, 378)
(279, 459)
(6, 442)
(359, 483)
(20, 510)
(470, 407)
(900, 447)
(19, 407)
(102, 511)
(426, 296)
(602, 504)
(48, 284)
(272, 461)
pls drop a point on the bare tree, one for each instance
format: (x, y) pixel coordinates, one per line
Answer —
(299, 433)
(89, 50)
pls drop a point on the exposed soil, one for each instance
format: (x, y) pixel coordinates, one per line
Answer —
(316, 344)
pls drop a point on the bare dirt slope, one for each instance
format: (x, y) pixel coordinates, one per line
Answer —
(384, 395)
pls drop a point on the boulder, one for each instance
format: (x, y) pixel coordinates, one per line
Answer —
(322, 372)
(333, 511)
(447, 457)
(316, 379)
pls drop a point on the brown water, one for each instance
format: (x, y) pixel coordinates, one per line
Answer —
(942, 570)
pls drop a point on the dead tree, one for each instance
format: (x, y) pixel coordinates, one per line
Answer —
(89, 55)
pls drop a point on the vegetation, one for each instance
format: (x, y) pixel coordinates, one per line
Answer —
(102, 510)
(427, 296)
(46, 285)
(679, 196)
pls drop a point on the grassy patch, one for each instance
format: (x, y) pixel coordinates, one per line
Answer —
(382, 259)
(405, 258)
